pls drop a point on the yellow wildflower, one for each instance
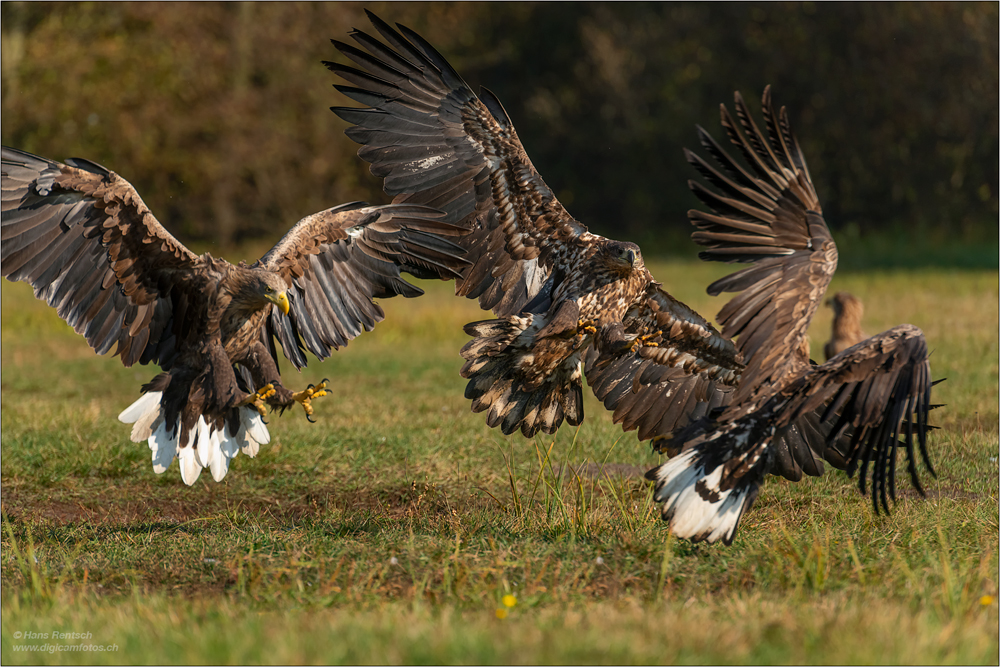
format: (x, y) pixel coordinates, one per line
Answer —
(986, 600)
(509, 601)
(501, 613)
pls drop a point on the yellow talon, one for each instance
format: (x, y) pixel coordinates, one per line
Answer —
(646, 340)
(585, 326)
(306, 395)
(664, 444)
(257, 398)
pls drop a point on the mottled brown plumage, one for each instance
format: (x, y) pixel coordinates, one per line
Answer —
(847, 313)
(564, 300)
(83, 238)
(787, 414)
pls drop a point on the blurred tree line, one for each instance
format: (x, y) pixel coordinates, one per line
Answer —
(218, 112)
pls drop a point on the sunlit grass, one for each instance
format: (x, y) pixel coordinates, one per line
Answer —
(395, 528)
(744, 628)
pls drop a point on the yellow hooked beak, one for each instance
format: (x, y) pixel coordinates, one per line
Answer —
(280, 300)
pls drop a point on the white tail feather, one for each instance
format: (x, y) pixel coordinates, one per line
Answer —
(251, 422)
(229, 447)
(691, 515)
(146, 425)
(729, 515)
(201, 440)
(256, 428)
(207, 447)
(246, 444)
(188, 461)
(146, 403)
(164, 448)
(220, 462)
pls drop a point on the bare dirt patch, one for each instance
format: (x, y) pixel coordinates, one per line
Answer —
(133, 503)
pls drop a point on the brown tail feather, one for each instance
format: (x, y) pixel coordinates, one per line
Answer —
(498, 362)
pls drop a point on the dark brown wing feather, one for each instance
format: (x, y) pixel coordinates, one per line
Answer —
(82, 237)
(436, 143)
(688, 370)
(769, 215)
(340, 259)
(881, 389)
(787, 415)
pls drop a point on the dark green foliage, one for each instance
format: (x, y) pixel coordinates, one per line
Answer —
(218, 113)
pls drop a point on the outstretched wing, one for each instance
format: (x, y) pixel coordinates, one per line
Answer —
(768, 215)
(787, 414)
(436, 143)
(685, 368)
(339, 260)
(880, 389)
(848, 410)
(865, 402)
(82, 237)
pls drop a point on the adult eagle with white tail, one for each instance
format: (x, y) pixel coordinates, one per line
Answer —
(567, 301)
(82, 237)
(855, 410)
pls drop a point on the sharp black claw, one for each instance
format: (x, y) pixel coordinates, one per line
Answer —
(310, 419)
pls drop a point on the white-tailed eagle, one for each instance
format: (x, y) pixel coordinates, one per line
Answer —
(567, 301)
(855, 410)
(81, 236)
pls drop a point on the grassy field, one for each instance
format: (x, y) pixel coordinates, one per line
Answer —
(400, 529)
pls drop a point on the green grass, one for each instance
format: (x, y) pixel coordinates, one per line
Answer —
(389, 531)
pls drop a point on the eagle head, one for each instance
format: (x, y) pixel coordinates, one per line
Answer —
(256, 288)
(621, 257)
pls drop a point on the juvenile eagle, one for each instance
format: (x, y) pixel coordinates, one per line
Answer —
(82, 237)
(557, 290)
(847, 313)
(854, 410)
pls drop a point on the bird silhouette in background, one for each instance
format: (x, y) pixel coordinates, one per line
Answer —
(847, 313)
